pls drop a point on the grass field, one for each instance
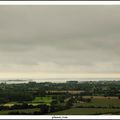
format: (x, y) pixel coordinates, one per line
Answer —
(37, 101)
(102, 103)
(46, 100)
(15, 103)
(9, 104)
(85, 111)
(101, 97)
(5, 112)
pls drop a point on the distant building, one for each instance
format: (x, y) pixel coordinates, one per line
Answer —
(65, 91)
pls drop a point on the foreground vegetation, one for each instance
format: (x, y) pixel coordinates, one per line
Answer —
(20, 111)
(70, 98)
(86, 111)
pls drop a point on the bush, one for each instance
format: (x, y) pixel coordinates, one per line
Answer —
(14, 113)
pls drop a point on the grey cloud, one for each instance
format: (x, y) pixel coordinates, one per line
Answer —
(60, 38)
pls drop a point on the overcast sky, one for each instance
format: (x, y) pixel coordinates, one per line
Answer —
(60, 39)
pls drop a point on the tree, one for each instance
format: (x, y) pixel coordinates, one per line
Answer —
(44, 109)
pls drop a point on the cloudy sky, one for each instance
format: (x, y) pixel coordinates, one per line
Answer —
(59, 41)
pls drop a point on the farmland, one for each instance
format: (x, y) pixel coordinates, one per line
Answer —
(9, 104)
(37, 101)
(86, 111)
(105, 102)
(27, 111)
(46, 100)
(70, 98)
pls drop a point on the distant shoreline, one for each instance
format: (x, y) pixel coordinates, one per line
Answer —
(57, 80)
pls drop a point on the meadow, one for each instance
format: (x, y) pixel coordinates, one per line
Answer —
(86, 111)
(37, 101)
(42, 100)
(104, 102)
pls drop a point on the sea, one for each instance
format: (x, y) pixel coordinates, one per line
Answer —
(56, 80)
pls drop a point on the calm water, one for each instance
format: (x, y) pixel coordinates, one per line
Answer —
(57, 80)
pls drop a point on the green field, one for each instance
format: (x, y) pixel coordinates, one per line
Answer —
(37, 101)
(102, 103)
(85, 111)
(46, 100)
(16, 103)
(101, 97)
(8, 104)
(5, 112)
(109, 103)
